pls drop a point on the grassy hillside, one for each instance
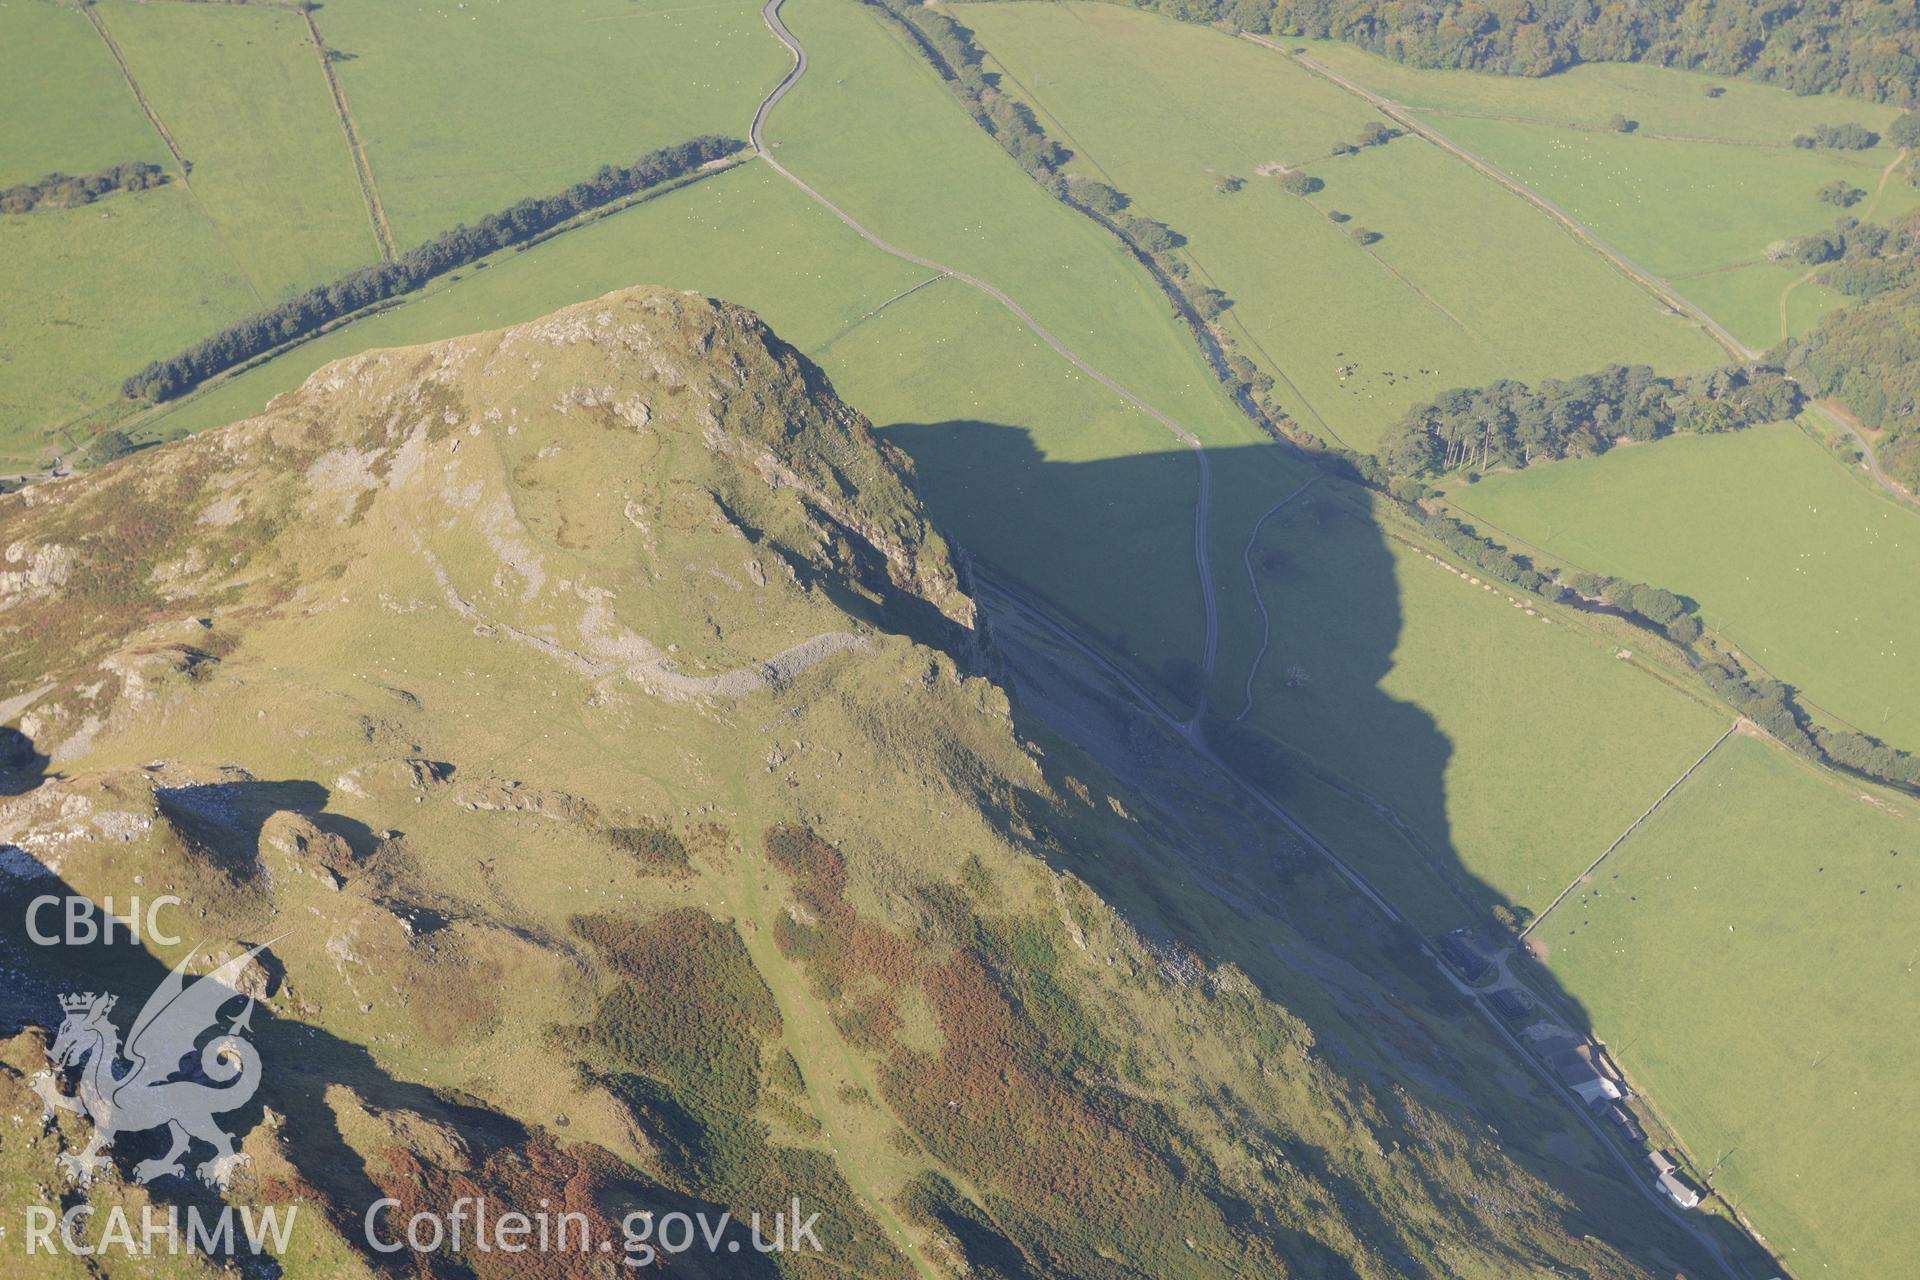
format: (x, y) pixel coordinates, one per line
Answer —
(594, 702)
(1762, 885)
(1789, 557)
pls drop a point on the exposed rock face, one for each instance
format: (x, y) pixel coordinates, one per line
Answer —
(558, 484)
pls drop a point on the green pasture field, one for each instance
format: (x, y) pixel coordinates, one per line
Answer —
(1791, 559)
(1048, 477)
(1749, 955)
(55, 72)
(1663, 101)
(1677, 206)
(1747, 299)
(465, 109)
(1165, 111)
(1027, 461)
(1696, 193)
(241, 89)
(91, 294)
(874, 128)
(1508, 736)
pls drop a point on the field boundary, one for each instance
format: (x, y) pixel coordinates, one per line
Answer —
(362, 167)
(146, 108)
(1621, 839)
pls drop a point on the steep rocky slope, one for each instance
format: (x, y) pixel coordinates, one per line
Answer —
(592, 722)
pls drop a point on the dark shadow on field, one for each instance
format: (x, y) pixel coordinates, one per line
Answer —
(1236, 879)
(309, 1078)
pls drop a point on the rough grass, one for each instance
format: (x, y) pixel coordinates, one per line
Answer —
(1164, 110)
(55, 72)
(1790, 559)
(1749, 957)
(1518, 748)
(525, 99)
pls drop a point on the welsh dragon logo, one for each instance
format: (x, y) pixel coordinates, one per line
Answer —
(153, 1083)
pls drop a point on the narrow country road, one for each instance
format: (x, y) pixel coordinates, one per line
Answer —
(1837, 414)
(1210, 652)
(1402, 116)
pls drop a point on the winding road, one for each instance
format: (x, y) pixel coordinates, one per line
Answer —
(1210, 652)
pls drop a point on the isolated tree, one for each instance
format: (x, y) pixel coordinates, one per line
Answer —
(1362, 235)
(1300, 183)
(1841, 193)
(109, 445)
(1375, 134)
(1620, 124)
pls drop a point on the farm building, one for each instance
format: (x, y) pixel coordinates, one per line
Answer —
(1626, 1124)
(1457, 949)
(1511, 1003)
(1668, 1180)
(1677, 1191)
(1576, 1071)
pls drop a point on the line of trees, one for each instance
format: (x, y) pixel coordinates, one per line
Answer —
(951, 48)
(1772, 705)
(68, 192)
(1509, 424)
(302, 315)
(1862, 47)
(1839, 137)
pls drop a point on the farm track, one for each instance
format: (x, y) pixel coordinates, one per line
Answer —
(1210, 652)
(1836, 413)
(1266, 619)
(362, 167)
(1404, 117)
